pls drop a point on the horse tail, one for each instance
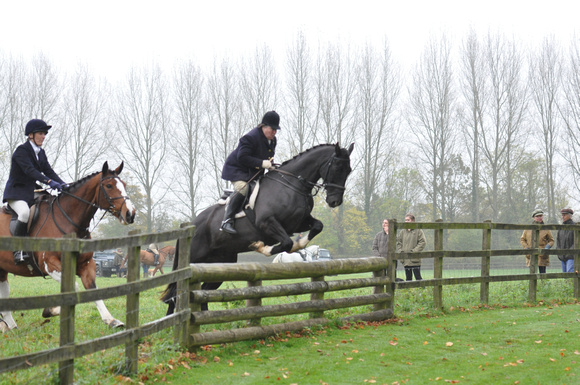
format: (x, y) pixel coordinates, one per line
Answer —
(168, 295)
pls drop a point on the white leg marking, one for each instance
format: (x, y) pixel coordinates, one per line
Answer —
(6, 315)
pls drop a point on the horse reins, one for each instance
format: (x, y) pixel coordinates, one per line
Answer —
(311, 185)
(111, 209)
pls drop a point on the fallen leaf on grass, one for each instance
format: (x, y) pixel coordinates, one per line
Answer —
(393, 343)
(538, 341)
(553, 360)
(449, 344)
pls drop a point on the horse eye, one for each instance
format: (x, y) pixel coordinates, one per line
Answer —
(109, 185)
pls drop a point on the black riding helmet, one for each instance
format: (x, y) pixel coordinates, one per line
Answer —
(36, 125)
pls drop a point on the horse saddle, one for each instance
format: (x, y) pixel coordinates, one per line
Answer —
(34, 213)
(250, 201)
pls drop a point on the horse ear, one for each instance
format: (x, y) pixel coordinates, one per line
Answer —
(337, 148)
(105, 167)
(120, 168)
(350, 148)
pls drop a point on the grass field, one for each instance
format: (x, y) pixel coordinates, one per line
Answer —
(505, 342)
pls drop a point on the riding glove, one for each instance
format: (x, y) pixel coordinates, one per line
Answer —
(55, 185)
(267, 164)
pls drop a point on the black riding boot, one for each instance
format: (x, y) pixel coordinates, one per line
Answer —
(235, 204)
(155, 259)
(20, 231)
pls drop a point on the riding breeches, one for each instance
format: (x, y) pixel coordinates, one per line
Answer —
(241, 187)
(21, 208)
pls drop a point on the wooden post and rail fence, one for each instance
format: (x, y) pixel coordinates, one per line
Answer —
(484, 256)
(188, 318)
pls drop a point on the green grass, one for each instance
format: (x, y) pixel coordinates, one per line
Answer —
(504, 342)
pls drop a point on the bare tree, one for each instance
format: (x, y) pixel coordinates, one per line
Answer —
(474, 88)
(300, 96)
(192, 129)
(224, 115)
(545, 83)
(13, 114)
(570, 111)
(259, 84)
(501, 139)
(336, 88)
(42, 101)
(335, 99)
(143, 123)
(379, 87)
(432, 101)
(86, 120)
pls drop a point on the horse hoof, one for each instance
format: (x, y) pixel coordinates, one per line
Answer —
(3, 326)
(48, 312)
(256, 246)
(116, 324)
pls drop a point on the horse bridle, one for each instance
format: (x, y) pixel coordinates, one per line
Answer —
(313, 185)
(111, 209)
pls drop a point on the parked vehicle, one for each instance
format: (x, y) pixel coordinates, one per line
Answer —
(105, 261)
(323, 255)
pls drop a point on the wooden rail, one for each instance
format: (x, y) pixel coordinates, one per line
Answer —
(438, 254)
(68, 350)
(255, 273)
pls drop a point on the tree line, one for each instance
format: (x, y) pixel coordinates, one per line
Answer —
(481, 127)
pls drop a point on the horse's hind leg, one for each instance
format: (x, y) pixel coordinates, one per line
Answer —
(6, 320)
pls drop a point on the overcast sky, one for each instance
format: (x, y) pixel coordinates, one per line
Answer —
(112, 36)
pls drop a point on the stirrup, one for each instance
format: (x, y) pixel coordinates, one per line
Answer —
(228, 227)
(21, 257)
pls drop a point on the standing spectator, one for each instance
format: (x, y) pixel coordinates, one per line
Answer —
(565, 240)
(411, 241)
(546, 241)
(118, 262)
(381, 242)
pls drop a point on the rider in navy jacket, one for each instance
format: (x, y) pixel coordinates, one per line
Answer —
(29, 165)
(254, 153)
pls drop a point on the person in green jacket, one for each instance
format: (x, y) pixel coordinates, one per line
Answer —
(411, 241)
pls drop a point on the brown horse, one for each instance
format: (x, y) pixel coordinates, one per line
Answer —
(148, 259)
(69, 212)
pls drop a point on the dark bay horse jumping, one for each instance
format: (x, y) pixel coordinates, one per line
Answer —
(282, 207)
(69, 212)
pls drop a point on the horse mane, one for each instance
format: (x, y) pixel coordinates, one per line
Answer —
(75, 185)
(306, 151)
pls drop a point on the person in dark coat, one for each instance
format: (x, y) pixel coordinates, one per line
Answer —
(249, 160)
(565, 240)
(29, 165)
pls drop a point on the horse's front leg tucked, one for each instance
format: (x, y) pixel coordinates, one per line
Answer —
(274, 230)
(314, 227)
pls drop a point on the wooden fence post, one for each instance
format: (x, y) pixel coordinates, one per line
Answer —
(576, 279)
(391, 270)
(533, 286)
(316, 296)
(183, 332)
(438, 267)
(67, 312)
(379, 290)
(132, 313)
(485, 263)
(254, 302)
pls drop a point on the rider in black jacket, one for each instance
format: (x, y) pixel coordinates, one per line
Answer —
(253, 155)
(29, 165)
